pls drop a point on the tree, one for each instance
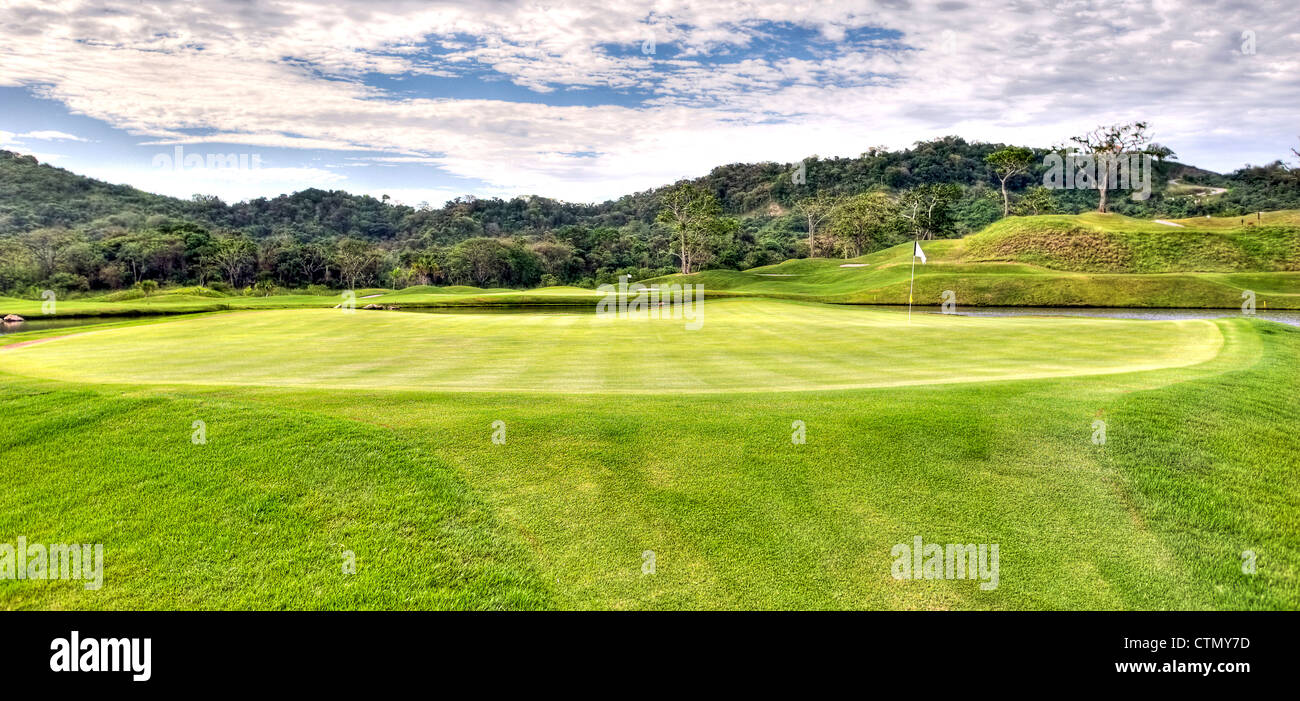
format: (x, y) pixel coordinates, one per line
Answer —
(310, 259)
(1161, 152)
(356, 261)
(232, 257)
(925, 208)
(558, 258)
(815, 210)
(425, 266)
(693, 216)
(47, 248)
(1106, 144)
(148, 287)
(147, 252)
(1009, 162)
(1038, 200)
(863, 222)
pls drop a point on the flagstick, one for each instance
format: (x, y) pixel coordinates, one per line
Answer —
(911, 284)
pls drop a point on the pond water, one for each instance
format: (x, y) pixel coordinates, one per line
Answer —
(39, 324)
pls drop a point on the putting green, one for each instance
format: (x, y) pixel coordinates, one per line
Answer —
(742, 345)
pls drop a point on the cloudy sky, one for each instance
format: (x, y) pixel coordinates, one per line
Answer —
(585, 101)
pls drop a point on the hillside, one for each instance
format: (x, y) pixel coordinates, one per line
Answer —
(1022, 261)
(35, 195)
(76, 236)
(1084, 260)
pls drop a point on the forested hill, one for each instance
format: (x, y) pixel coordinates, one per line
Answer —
(36, 195)
(60, 230)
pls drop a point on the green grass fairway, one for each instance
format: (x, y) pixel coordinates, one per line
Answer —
(742, 345)
(373, 433)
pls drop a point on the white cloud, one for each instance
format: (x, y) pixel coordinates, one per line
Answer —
(287, 74)
(50, 135)
(10, 141)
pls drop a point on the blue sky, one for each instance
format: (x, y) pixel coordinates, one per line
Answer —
(584, 101)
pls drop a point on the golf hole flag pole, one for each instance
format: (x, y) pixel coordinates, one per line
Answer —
(916, 253)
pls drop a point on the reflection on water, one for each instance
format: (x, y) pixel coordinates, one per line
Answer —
(7, 328)
(1285, 317)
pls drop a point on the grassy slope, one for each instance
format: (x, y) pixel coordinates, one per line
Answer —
(1059, 260)
(1196, 470)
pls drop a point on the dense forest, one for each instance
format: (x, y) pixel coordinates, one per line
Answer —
(73, 234)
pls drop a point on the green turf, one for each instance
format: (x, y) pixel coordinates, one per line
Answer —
(396, 462)
(185, 301)
(741, 345)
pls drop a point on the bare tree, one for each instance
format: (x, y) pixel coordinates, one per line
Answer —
(925, 208)
(311, 260)
(1107, 144)
(232, 256)
(816, 209)
(694, 217)
(355, 260)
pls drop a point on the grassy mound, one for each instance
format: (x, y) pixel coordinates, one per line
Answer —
(1057, 260)
(1114, 244)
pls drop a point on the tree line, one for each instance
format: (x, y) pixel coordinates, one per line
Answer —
(66, 232)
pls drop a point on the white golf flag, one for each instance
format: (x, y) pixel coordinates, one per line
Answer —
(918, 253)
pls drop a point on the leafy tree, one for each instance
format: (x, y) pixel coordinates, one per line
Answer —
(863, 222)
(558, 259)
(1007, 163)
(1037, 200)
(233, 256)
(47, 248)
(925, 209)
